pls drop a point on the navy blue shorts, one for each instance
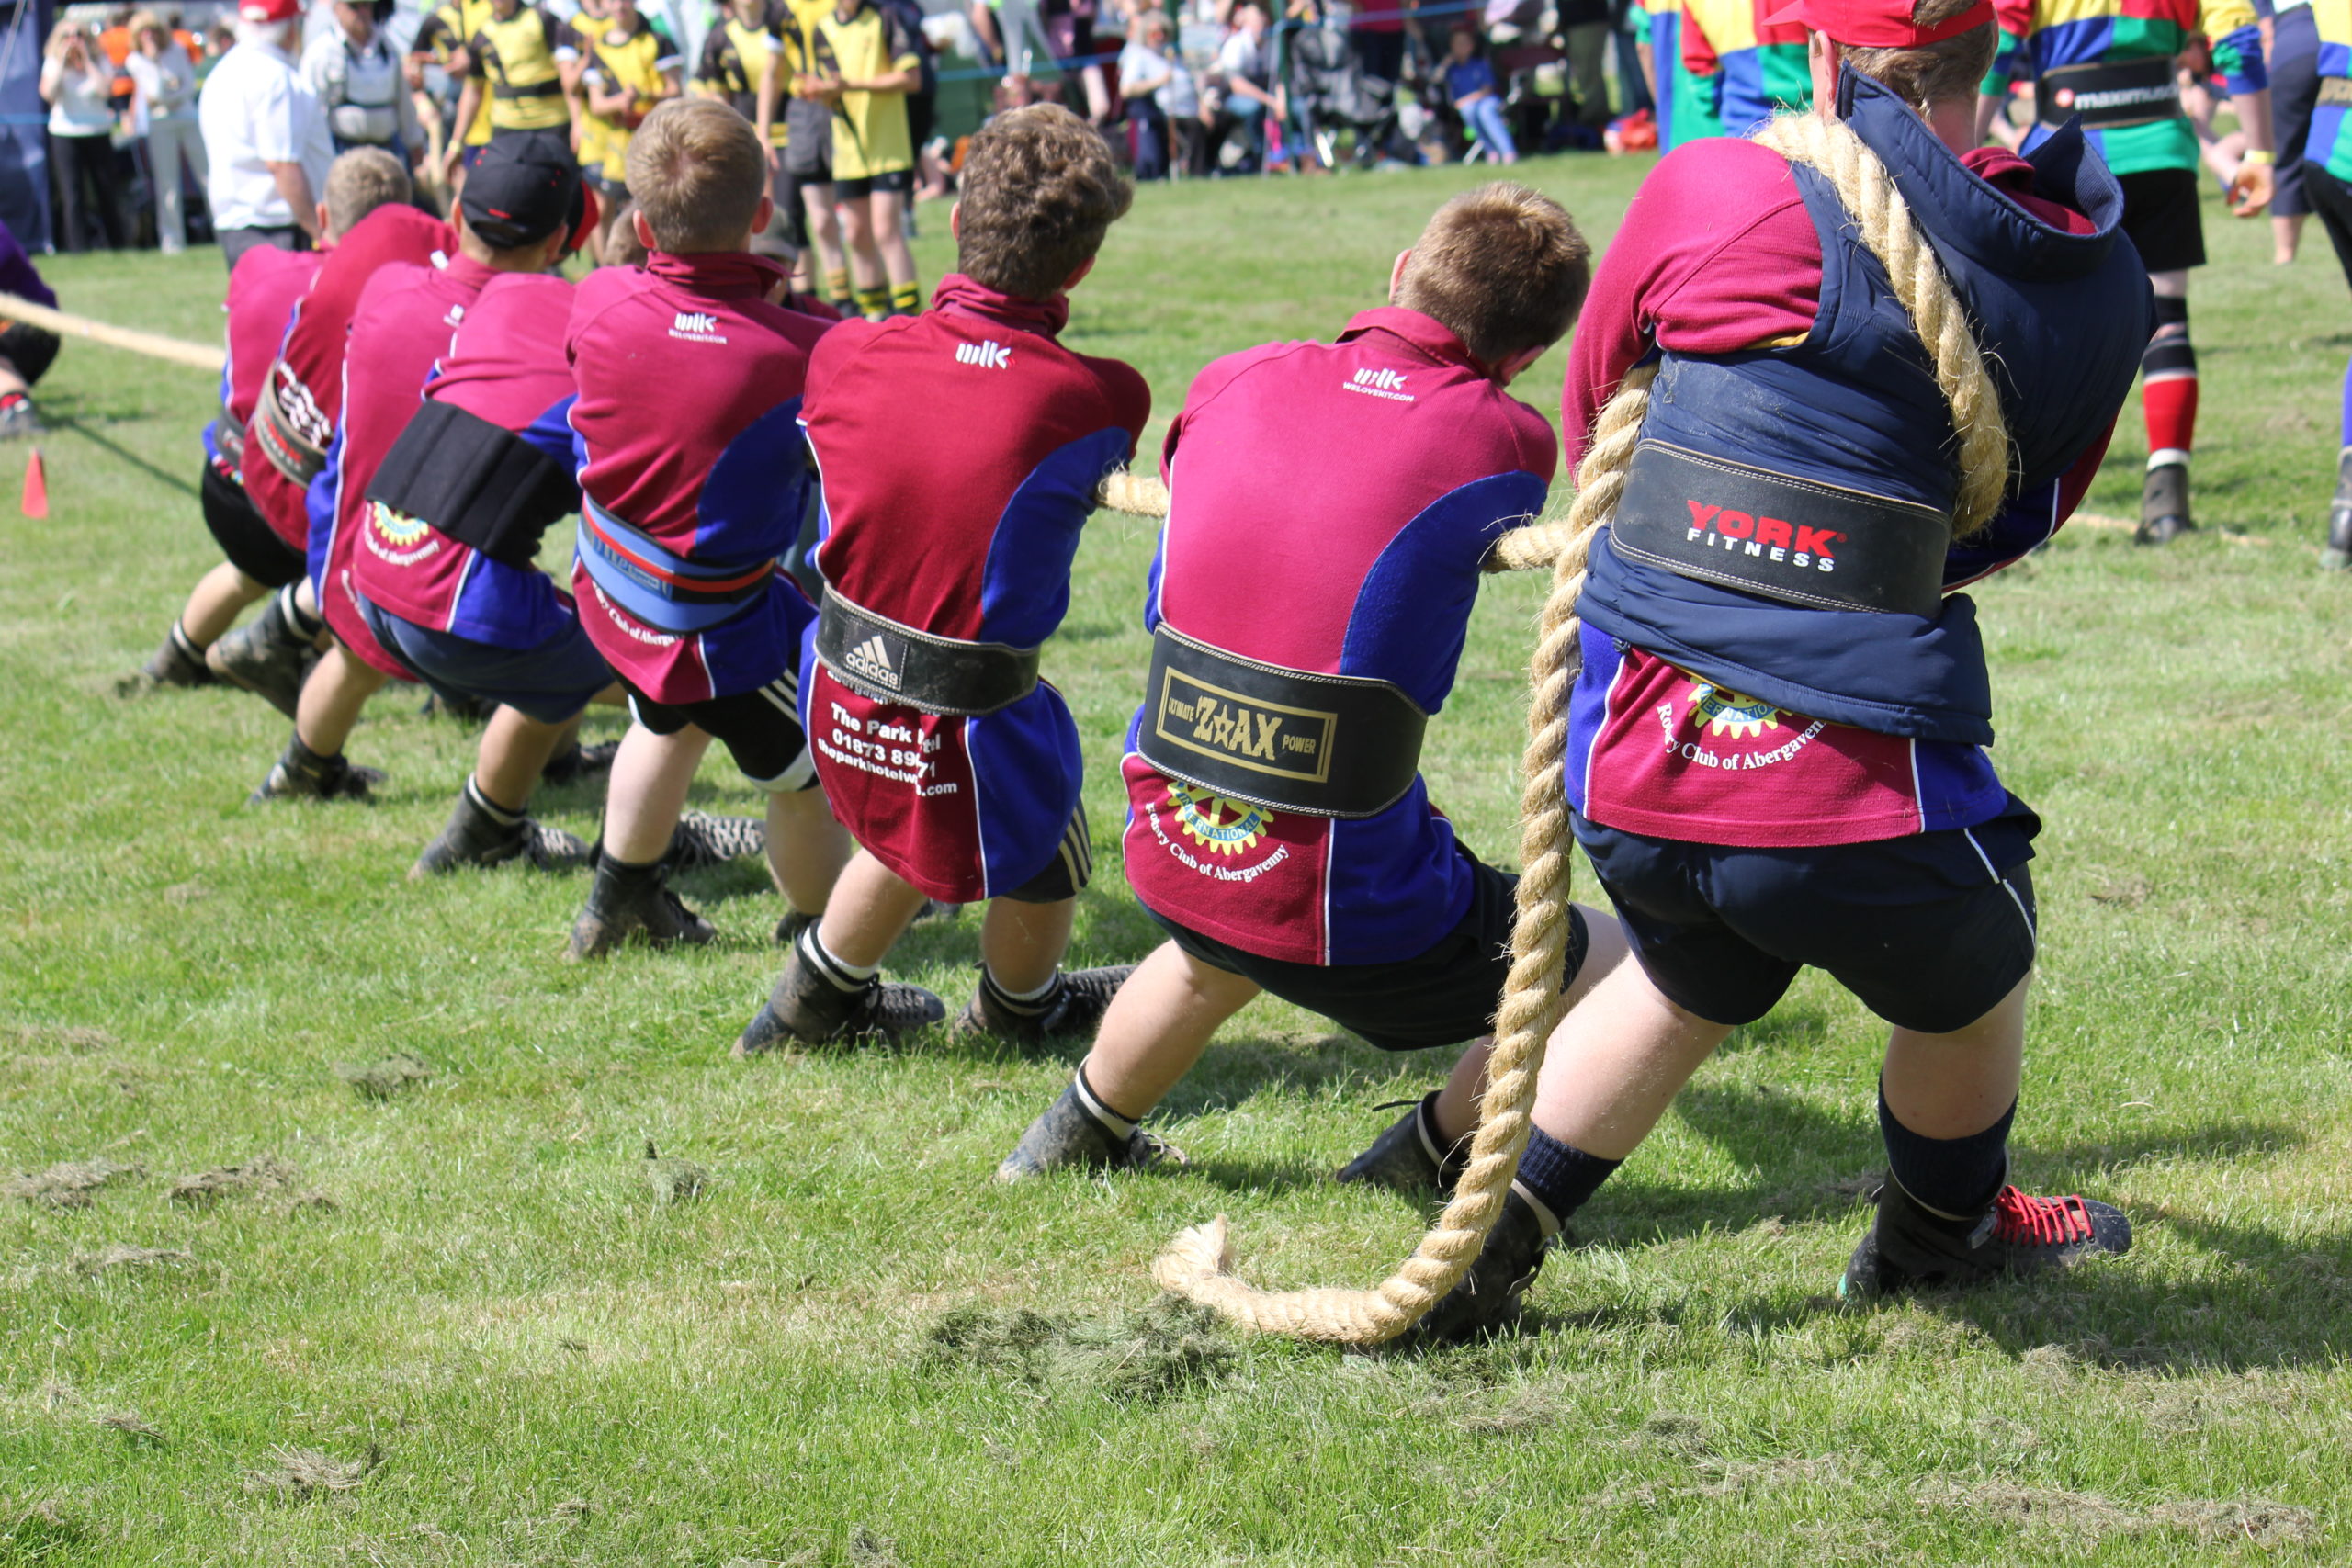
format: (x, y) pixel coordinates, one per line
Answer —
(550, 682)
(1930, 931)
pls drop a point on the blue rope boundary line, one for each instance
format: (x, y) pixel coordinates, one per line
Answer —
(1078, 63)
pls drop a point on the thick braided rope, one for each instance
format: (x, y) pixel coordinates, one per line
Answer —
(1870, 196)
(1198, 1262)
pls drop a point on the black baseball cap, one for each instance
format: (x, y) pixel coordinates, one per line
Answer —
(523, 189)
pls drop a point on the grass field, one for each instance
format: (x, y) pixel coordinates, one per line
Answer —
(452, 1324)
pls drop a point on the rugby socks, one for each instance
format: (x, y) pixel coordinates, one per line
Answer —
(186, 644)
(837, 293)
(840, 975)
(1557, 1180)
(1121, 1128)
(874, 303)
(906, 299)
(1955, 1178)
(1451, 1159)
(491, 810)
(2168, 387)
(1031, 1002)
(298, 623)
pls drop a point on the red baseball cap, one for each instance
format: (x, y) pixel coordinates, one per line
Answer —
(1876, 24)
(268, 10)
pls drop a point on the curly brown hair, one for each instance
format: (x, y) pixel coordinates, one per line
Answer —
(1039, 193)
(1501, 267)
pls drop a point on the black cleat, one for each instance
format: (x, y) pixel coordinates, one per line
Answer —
(462, 706)
(807, 1009)
(1070, 1011)
(474, 837)
(591, 761)
(2337, 556)
(1489, 1296)
(266, 657)
(177, 663)
(302, 775)
(1068, 1137)
(2164, 505)
(1909, 1246)
(1408, 1157)
(633, 903)
(703, 840)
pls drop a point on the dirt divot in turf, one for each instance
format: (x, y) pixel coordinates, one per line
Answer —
(1149, 1353)
(2086, 1518)
(306, 1472)
(42, 1531)
(381, 1080)
(69, 1186)
(74, 1040)
(119, 1256)
(673, 1181)
(256, 1177)
(137, 1431)
(867, 1550)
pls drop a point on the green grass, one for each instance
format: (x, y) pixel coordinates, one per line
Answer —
(821, 1361)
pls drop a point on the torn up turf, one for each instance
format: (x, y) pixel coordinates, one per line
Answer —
(266, 1174)
(304, 1473)
(69, 1186)
(382, 1080)
(1149, 1353)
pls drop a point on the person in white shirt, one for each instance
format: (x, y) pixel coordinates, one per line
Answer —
(1246, 69)
(356, 76)
(75, 83)
(165, 78)
(266, 136)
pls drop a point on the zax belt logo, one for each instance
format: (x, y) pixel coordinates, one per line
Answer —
(1800, 544)
(990, 355)
(697, 326)
(1245, 732)
(871, 659)
(1388, 384)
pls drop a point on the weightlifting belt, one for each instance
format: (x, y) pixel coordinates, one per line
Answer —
(1321, 745)
(1791, 539)
(2108, 94)
(665, 590)
(478, 482)
(273, 432)
(878, 657)
(2335, 91)
(229, 441)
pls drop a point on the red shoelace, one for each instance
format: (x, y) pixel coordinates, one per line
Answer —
(2045, 1222)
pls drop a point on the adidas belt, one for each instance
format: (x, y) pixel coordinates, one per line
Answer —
(2108, 95)
(273, 433)
(665, 590)
(1791, 539)
(1321, 745)
(878, 657)
(475, 480)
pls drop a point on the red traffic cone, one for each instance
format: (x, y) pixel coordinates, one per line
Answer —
(36, 498)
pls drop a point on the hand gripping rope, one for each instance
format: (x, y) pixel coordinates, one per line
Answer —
(1198, 1263)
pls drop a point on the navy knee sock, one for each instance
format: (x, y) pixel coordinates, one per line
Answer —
(1559, 1176)
(1959, 1177)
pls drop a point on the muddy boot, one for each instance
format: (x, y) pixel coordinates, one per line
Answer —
(461, 706)
(302, 775)
(268, 656)
(178, 662)
(1412, 1156)
(633, 903)
(581, 762)
(2164, 505)
(2337, 556)
(1069, 1008)
(809, 1005)
(1078, 1132)
(703, 840)
(1911, 1245)
(482, 833)
(1489, 1296)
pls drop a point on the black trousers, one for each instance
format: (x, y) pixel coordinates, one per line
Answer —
(89, 185)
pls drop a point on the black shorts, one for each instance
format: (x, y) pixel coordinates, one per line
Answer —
(808, 141)
(1066, 874)
(29, 349)
(245, 538)
(760, 728)
(901, 181)
(2330, 202)
(1930, 931)
(2162, 214)
(1443, 997)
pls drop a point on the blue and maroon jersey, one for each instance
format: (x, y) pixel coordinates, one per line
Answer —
(693, 472)
(965, 528)
(263, 289)
(307, 377)
(406, 318)
(506, 366)
(1401, 461)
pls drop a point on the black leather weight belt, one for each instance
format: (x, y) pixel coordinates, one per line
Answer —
(478, 482)
(287, 452)
(2127, 92)
(1321, 745)
(1785, 539)
(228, 439)
(875, 657)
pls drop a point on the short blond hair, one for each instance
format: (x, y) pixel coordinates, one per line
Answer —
(1039, 193)
(1501, 267)
(1932, 72)
(696, 170)
(361, 181)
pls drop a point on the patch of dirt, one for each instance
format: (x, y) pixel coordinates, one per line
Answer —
(2088, 1517)
(69, 1186)
(73, 1038)
(266, 1174)
(2268, 1525)
(1529, 1408)
(867, 1550)
(673, 1181)
(137, 1433)
(117, 1256)
(1147, 1354)
(1735, 1478)
(382, 1080)
(37, 1532)
(305, 1472)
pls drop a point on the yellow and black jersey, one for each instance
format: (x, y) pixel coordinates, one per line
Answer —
(515, 59)
(870, 131)
(443, 34)
(633, 57)
(796, 23)
(734, 57)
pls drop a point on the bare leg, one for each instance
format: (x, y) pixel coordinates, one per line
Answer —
(1616, 1063)
(1022, 944)
(807, 848)
(647, 790)
(824, 227)
(1158, 1026)
(898, 257)
(332, 699)
(870, 908)
(2286, 237)
(1950, 1085)
(218, 597)
(865, 267)
(1457, 1102)
(515, 748)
